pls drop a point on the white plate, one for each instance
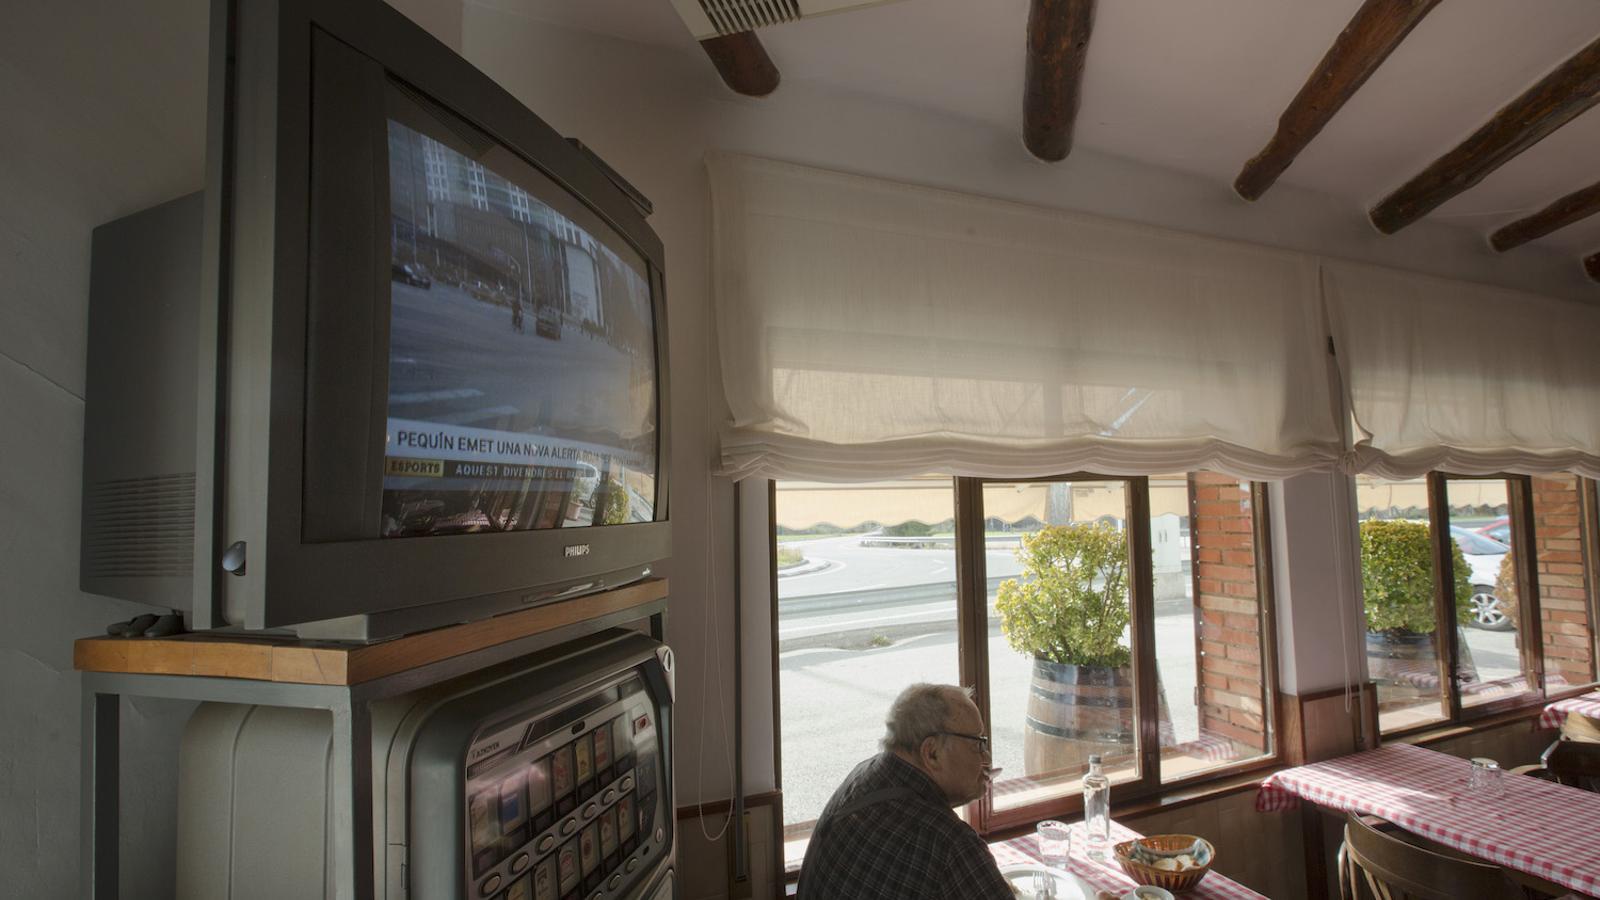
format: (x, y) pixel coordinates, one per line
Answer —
(1068, 885)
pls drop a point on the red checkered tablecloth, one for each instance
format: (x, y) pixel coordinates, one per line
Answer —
(1544, 829)
(1106, 875)
(1583, 704)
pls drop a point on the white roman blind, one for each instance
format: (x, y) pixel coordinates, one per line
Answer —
(870, 329)
(1463, 378)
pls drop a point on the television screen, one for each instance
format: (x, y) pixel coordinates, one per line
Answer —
(522, 385)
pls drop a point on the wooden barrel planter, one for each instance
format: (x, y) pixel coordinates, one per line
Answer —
(1075, 711)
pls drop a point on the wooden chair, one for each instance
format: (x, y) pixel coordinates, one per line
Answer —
(1575, 763)
(1378, 866)
(1572, 763)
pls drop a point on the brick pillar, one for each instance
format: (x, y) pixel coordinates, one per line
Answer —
(1231, 700)
(1563, 594)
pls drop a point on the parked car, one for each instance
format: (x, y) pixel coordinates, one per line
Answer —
(1483, 555)
(1499, 529)
(411, 273)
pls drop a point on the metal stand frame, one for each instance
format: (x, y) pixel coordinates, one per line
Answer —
(100, 825)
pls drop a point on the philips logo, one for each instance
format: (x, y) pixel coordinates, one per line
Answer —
(575, 550)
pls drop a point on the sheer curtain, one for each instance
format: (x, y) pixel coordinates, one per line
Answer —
(1470, 379)
(870, 329)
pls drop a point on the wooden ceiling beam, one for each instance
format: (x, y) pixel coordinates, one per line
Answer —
(1574, 207)
(1557, 98)
(743, 63)
(1374, 32)
(1058, 45)
(1591, 264)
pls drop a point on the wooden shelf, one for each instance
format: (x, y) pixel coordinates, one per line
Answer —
(291, 661)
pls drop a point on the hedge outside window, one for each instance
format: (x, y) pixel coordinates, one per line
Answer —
(1119, 616)
(1511, 645)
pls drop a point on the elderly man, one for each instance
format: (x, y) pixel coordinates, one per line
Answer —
(889, 832)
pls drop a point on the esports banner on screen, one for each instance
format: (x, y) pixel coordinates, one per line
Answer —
(522, 370)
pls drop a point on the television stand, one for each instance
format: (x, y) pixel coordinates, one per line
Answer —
(341, 678)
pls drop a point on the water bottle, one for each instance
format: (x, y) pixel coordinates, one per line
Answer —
(1096, 811)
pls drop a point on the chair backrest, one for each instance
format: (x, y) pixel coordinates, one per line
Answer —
(1378, 866)
(1574, 763)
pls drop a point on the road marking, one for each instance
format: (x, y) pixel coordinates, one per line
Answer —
(856, 623)
(427, 396)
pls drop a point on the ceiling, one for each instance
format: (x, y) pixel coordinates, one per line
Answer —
(1198, 85)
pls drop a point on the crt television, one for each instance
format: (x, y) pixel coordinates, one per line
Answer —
(421, 375)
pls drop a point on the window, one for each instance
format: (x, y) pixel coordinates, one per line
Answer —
(1464, 626)
(1117, 616)
(866, 605)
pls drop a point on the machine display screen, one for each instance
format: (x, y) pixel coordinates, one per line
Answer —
(560, 811)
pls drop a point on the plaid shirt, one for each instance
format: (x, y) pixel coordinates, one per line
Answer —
(907, 847)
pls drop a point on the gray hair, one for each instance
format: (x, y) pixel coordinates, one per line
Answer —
(919, 712)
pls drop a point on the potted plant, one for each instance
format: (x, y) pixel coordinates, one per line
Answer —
(1068, 611)
(1397, 581)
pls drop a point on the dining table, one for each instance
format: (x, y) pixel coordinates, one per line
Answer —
(1546, 832)
(1584, 705)
(1106, 874)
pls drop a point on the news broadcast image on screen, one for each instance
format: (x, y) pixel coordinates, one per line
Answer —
(522, 390)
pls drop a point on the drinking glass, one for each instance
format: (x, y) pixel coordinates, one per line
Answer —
(1485, 779)
(1055, 842)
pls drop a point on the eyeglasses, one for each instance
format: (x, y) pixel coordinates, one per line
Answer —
(982, 739)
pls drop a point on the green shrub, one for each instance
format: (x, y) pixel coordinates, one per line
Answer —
(788, 556)
(1071, 604)
(617, 503)
(1397, 577)
(908, 529)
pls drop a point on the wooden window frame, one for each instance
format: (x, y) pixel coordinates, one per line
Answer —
(972, 643)
(1519, 503)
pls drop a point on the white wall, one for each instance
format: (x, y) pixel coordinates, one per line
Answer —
(91, 134)
(104, 104)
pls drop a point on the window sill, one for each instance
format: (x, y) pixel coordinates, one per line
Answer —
(1444, 731)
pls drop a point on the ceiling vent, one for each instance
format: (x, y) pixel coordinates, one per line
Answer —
(711, 18)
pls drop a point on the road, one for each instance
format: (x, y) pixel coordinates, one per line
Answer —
(852, 635)
(456, 360)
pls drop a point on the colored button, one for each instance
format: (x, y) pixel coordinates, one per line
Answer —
(520, 863)
(641, 724)
(489, 885)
